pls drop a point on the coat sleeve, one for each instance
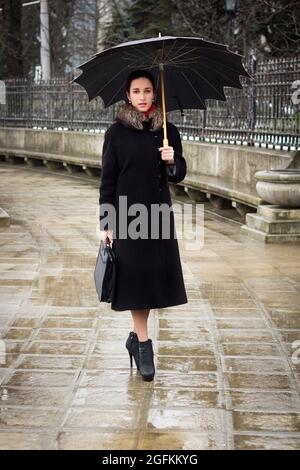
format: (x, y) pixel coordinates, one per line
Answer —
(109, 177)
(171, 169)
(176, 172)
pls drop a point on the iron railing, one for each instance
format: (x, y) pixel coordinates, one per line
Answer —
(265, 113)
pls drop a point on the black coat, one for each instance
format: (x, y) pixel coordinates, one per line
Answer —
(149, 272)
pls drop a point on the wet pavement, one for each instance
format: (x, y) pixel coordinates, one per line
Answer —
(227, 372)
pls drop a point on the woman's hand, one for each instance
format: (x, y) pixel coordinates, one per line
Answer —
(167, 154)
(106, 236)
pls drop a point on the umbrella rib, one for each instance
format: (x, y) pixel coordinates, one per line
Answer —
(179, 50)
(187, 61)
(192, 86)
(212, 59)
(232, 69)
(150, 65)
(145, 65)
(110, 101)
(133, 56)
(209, 83)
(219, 72)
(167, 58)
(126, 55)
(184, 53)
(172, 62)
(130, 56)
(170, 49)
(155, 59)
(107, 83)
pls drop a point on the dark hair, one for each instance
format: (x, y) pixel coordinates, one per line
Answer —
(138, 74)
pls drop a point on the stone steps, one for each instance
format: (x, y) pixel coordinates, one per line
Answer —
(272, 223)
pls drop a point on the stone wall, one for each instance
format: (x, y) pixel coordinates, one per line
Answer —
(228, 161)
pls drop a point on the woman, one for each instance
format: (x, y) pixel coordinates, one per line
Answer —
(136, 169)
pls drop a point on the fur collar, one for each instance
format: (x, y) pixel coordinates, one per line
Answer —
(131, 117)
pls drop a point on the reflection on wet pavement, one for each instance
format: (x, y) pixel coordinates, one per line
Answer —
(227, 371)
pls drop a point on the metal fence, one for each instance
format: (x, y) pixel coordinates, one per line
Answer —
(265, 113)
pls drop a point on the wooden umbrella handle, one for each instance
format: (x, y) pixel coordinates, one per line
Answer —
(161, 69)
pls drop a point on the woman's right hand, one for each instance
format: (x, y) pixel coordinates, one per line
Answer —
(106, 236)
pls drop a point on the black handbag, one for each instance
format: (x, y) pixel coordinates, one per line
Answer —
(105, 273)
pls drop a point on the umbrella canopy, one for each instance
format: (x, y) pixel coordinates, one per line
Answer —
(187, 71)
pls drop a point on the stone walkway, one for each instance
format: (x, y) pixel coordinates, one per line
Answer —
(226, 375)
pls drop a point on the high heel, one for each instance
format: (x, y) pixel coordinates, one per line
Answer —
(132, 345)
(147, 367)
(130, 357)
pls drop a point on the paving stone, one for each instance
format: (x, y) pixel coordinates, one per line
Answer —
(226, 375)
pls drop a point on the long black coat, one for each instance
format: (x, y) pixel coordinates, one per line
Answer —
(149, 272)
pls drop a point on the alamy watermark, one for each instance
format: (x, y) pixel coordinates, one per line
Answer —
(2, 352)
(160, 221)
(2, 92)
(296, 353)
(296, 94)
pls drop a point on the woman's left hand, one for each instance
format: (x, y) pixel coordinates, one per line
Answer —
(167, 154)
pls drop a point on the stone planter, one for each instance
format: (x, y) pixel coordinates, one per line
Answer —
(278, 221)
(280, 187)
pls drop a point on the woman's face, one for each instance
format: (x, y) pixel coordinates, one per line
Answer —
(141, 93)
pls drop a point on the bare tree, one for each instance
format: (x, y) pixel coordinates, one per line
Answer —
(11, 39)
(270, 26)
(104, 20)
(82, 33)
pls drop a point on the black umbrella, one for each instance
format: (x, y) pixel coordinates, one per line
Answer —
(187, 71)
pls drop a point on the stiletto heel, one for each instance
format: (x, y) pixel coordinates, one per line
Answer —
(130, 357)
(132, 345)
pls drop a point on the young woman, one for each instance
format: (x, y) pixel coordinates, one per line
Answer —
(136, 170)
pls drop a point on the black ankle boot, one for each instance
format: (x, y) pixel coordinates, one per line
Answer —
(132, 345)
(147, 368)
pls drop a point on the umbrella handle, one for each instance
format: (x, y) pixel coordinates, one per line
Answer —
(165, 141)
(161, 69)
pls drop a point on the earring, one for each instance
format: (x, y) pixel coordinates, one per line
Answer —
(129, 101)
